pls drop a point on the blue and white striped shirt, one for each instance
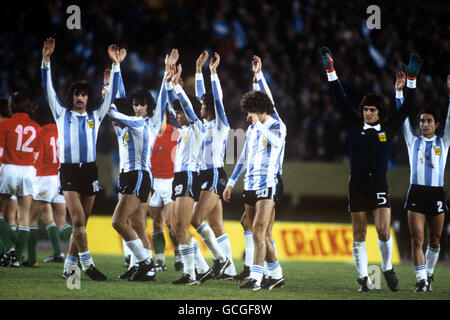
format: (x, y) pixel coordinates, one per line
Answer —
(78, 132)
(216, 135)
(188, 154)
(427, 157)
(137, 139)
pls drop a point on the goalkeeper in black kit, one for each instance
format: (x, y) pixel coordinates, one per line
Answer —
(370, 133)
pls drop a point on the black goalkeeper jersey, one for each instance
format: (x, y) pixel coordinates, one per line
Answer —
(369, 148)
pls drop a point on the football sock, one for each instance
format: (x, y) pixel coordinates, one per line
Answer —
(5, 235)
(133, 262)
(32, 244)
(360, 257)
(199, 261)
(21, 242)
(137, 248)
(274, 247)
(210, 240)
(148, 252)
(225, 244)
(249, 248)
(159, 242)
(126, 251)
(386, 253)
(256, 272)
(175, 246)
(421, 272)
(13, 233)
(431, 257)
(53, 235)
(66, 231)
(187, 256)
(85, 260)
(70, 261)
(275, 270)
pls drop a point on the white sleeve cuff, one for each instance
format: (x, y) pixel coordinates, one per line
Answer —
(398, 94)
(411, 83)
(178, 89)
(169, 86)
(214, 77)
(45, 65)
(231, 182)
(332, 76)
(259, 76)
(255, 86)
(199, 76)
(115, 68)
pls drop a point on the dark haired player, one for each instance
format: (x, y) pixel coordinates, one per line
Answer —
(17, 173)
(212, 177)
(260, 159)
(370, 137)
(426, 199)
(78, 131)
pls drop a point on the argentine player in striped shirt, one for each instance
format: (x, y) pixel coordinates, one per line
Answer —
(212, 177)
(135, 178)
(185, 182)
(273, 276)
(426, 199)
(370, 134)
(260, 159)
(78, 126)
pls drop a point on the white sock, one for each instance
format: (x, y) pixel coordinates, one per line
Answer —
(148, 252)
(133, 261)
(70, 261)
(210, 240)
(199, 261)
(126, 251)
(225, 244)
(187, 256)
(85, 260)
(274, 247)
(386, 253)
(256, 272)
(360, 257)
(275, 270)
(249, 248)
(431, 257)
(161, 257)
(138, 249)
(421, 272)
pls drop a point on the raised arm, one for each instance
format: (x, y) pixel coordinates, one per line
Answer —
(274, 135)
(407, 129)
(351, 115)
(199, 81)
(127, 121)
(184, 100)
(221, 118)
(446, 133)
(55, 104)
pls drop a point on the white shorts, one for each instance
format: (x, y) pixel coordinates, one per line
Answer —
(162, 193)
(17, 180)
(47, 189)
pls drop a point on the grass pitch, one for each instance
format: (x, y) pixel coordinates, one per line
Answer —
(304, 281)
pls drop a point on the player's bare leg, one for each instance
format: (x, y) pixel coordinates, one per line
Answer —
(157, 215)
(435, 225)
(416, 223)
(249, 248)
(359, 225)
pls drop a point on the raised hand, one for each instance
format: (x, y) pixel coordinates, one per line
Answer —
(415, 62)
(122, 55)
(327, 59)
(177, 76)
(256, 64)
(171, 71)
(400, 80)
(47, 50)
(214, 63)
(114, 54)
(173, 57)
(200, 61)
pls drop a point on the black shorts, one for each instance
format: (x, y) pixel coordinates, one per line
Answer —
(138, 181)
(426, 200)
(213, 179)
(186, 183)
(79, 177)
(363, 200)
(250, 197)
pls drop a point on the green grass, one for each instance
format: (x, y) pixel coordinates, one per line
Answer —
(304, 281)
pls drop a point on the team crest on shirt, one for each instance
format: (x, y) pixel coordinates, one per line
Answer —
(382, 136)
(126, 138)
(91, 124)
(437, 150)
(185, 138)
(264, 142)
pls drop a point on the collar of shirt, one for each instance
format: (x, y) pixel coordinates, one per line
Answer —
(368, 126)
(428, 139)
(79, 114)
(21, 115)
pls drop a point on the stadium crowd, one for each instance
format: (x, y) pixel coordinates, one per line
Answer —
(286, 34)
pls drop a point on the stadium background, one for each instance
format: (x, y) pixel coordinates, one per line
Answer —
(287, 35)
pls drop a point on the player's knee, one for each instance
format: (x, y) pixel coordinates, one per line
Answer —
(384, 236)
(416, 241)
(117, 224)
(359, 235)
(434, 241)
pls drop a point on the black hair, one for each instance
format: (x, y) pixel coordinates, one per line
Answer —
(124, 106)
(256, 101)
(433, 111)
(143, 97)
(5, 111)
(43, 116)
(77, 87)
(208, 99)
(377, 101)
(19, 102)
